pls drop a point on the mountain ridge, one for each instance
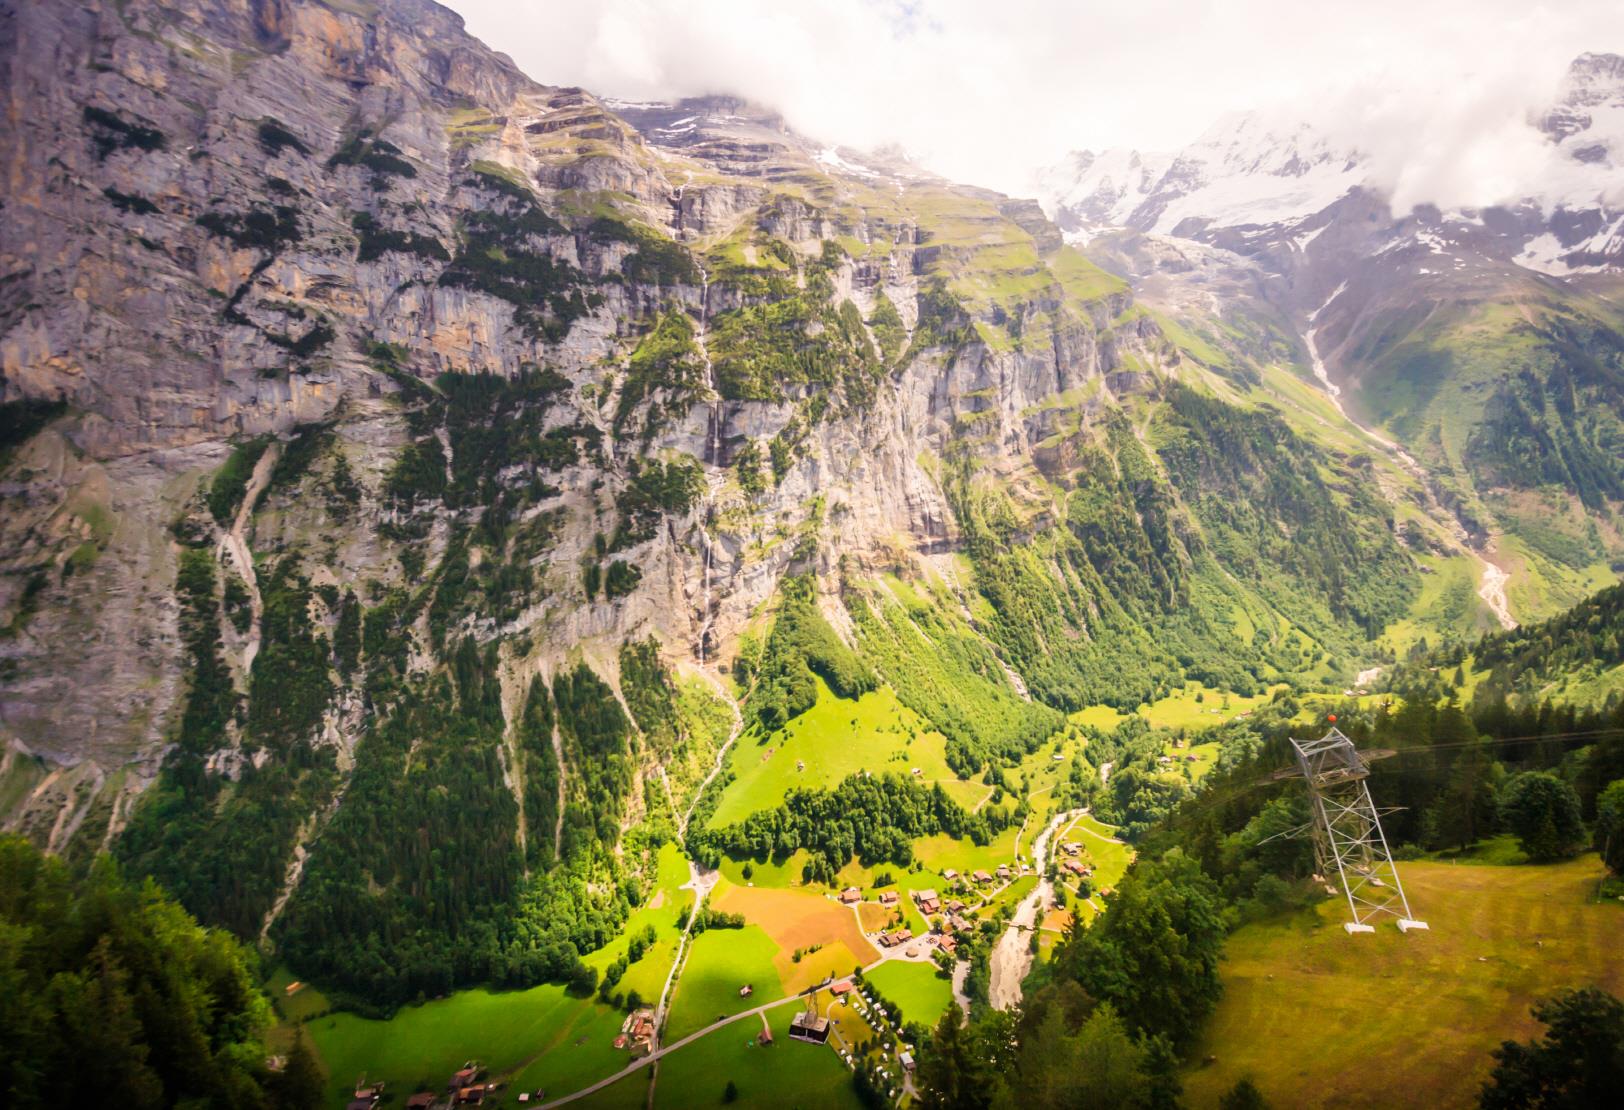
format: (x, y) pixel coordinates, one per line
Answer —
(430, 463)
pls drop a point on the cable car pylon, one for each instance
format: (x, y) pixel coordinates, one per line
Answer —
(1346, 831)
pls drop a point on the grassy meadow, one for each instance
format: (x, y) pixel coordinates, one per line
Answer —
(785, 1074)
(832, 740)
(720, 961)
(922, 994)
(542, 1037)
(1318, 1018)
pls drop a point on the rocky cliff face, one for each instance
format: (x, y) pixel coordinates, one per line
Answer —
(239, 233)
(399, 455)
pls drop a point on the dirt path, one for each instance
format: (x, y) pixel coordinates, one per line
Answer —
(721, 755)
(700, 881)
(615, 1077)
(961, 972)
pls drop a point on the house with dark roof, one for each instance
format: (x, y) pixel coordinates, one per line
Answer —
(809, 1027)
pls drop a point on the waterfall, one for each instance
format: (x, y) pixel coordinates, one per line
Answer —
(713, 458)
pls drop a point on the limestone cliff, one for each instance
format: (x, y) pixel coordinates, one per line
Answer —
(228, 224)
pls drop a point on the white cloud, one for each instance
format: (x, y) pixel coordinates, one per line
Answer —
(1436, 91)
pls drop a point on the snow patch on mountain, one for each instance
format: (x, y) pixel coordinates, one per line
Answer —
(1252, 174)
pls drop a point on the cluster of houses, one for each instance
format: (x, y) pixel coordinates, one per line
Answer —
(983, 878)
(1073, 863)
(466, 1088)
(897, 938)
(637, 1031)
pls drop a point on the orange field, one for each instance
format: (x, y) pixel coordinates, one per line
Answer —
(874, 916)
(797, 919)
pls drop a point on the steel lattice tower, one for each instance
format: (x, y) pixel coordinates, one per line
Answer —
(1347, 832)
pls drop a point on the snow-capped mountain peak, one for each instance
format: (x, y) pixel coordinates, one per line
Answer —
(1254, 181)
(1245, 170)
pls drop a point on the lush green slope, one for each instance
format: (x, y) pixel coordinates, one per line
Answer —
(1469, 982)
(1205, 542)
(1516, 403)
(1574, 658)
(113, 993)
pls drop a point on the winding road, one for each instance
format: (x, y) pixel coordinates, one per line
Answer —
(615, 1077)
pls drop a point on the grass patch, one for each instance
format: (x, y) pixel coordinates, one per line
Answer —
(662, 909)
(541, 1037)
(1496, 851)
(1103, 717)
(1110, 859)
(923, 995)
(1318, 1018)
(786, 1073)
(799, 919)
(940, 852)
(720, 961)
(837, 737)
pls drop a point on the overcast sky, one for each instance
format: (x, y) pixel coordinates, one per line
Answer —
(987, 91)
